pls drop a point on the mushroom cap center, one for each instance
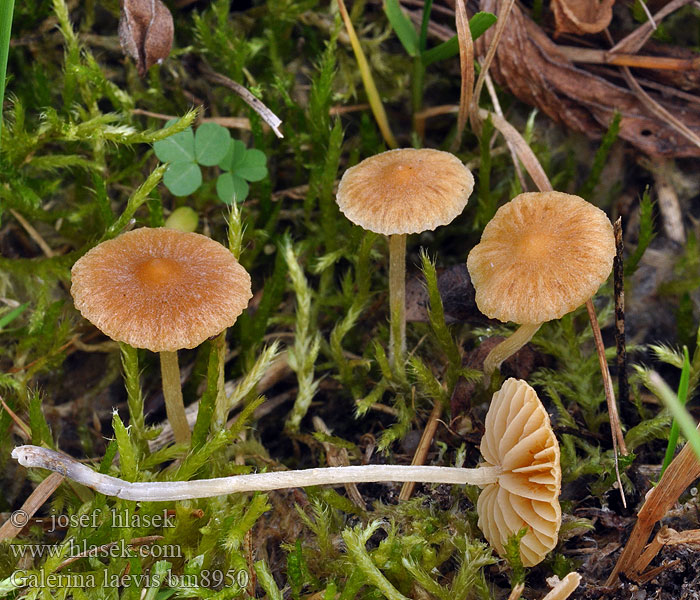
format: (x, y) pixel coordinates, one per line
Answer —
(537, 245)
(158, 271)
(401, 174)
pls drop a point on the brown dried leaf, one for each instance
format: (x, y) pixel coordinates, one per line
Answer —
(582, 16)
(145, 32)
(531, 66)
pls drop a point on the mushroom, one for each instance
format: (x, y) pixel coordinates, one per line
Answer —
(542, 255)
(520, 478)
(518, 439)
(163, 290)
(400, 192)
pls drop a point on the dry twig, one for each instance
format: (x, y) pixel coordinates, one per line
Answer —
(619, 290)
(423, 446)
(19, 518)
(466, 65)
(257, 105)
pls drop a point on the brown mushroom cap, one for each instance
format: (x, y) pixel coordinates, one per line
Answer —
(519, 439)
(541, 256)
(160, 289)
(405, 191)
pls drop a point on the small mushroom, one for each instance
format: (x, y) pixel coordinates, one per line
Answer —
(520, 478)
(542, 255)
(400, 192)
(519, 440)
(163, 290)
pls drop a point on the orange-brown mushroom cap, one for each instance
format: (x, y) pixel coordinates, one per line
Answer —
(160, 289)
(519, 439)
(541, 256)
(405, 191)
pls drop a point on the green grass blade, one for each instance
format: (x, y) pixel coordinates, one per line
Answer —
(478, 24)
(402, 26)
(682, 399)
(6, 319)
(7, 7)
(682, 416)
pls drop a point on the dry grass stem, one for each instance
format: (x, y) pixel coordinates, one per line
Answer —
(635, 40)
(522, 150)
(657, 109)
(34, 502)
(257, 105)
(229, 122)
(497, 108)
(501, 23)
(421, 454)
(466, 66)
(618, 438)
(607, 380)
(24, 430)
(33, 233)
(605, 57)
(338, 457)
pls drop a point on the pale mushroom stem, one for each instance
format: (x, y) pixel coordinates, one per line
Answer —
(162, 491)
(172, 392)
(397, 300)
(508, 347)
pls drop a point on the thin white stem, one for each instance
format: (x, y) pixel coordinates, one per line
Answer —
(397, 300)
(508, 347)
(172, 392)
(162, 491)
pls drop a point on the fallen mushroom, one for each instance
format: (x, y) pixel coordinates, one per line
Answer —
(518, 439)
(521, 477)
(400, 192)
(542, 255)
(163, 290)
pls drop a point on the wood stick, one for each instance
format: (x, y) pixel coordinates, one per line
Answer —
(421, 454)
(619, 291)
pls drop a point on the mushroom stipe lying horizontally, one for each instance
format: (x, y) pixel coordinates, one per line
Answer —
(521, 477)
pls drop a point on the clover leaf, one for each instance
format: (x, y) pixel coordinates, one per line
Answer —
(241, 166)
(183, 178)
(231, 188)
(179, 147)
(211, 142)
(210, 145)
